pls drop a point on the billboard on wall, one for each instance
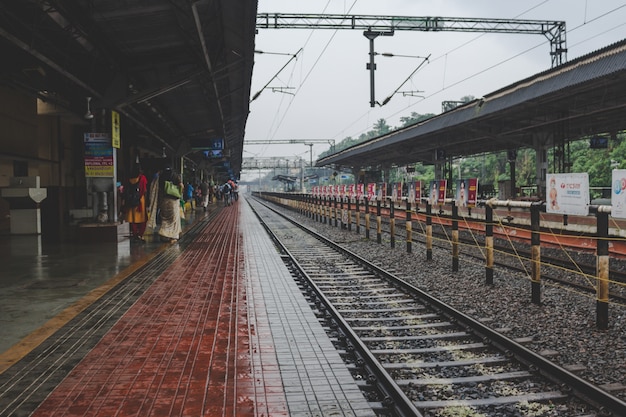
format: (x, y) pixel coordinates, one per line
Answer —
(568, 193)
(98, 155)
(618, 193)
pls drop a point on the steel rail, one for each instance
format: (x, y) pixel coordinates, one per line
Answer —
(395, 399)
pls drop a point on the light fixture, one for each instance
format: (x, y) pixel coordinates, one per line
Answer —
(89, 114)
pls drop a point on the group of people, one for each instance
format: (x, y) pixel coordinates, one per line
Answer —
(143, 202)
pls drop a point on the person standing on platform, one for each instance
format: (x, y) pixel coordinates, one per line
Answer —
(204, 194)
(168, 205)
(189, 195)
(226, 192)
(134, 203)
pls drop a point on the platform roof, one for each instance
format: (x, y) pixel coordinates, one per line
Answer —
(586, 96)
(179, 71)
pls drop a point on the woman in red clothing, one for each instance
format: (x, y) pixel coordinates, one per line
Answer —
(136, 211)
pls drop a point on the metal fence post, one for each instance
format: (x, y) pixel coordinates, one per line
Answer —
(357, 220)
(379, 222)
(392, 223)
(489, 244)
(367, 218)
(602, 269)
(429, 231)
(409, 234)
(455, 237)
(535, 245)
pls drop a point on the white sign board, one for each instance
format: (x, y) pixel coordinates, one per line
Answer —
(568, 194)
(618, 193)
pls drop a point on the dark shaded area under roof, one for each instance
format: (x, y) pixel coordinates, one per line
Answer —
(176, 70)
(586, 96)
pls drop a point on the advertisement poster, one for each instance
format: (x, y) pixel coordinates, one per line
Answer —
(418, 192)
(342, 190)
(443, 184)
(472, 194)
(382, 191)
(399, 191)
(360, 190)
(618, 193)
(433, 192)
(437, 193)
(394, 192)
(371, 191)
(98, 155)
(461, 193)
(410, 198)
(568, 194)
(351, 191)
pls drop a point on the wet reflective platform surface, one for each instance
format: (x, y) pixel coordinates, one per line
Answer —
(206, 326)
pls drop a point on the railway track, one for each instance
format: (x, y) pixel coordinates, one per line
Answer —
(415, 355)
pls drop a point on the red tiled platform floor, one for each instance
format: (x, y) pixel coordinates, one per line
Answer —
(187, 347)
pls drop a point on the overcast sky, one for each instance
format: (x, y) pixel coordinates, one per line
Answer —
(328, 86)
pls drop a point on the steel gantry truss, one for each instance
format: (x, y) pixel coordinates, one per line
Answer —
(374, 26)
(554, 30)
(270, 162)
(307, 142)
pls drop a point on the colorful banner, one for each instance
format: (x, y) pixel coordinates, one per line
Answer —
(351, 191)
(98, 155)
(437, 194)
(568, 194)
(461, 193)
(472, 194)
(410, 198)
(360, 191)
(382, 191)
(418, 192)
(371, 191)
(618, 193)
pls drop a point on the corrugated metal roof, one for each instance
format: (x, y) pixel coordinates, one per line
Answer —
(581, 97)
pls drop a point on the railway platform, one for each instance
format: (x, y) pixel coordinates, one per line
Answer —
(212, 325)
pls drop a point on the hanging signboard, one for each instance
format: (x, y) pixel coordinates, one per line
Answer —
(568, 194)
(115, 129)
(618, 194)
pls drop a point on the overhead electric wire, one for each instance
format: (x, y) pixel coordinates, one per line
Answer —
(494, 65)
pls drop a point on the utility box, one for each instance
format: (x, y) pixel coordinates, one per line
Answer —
(24, 195)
